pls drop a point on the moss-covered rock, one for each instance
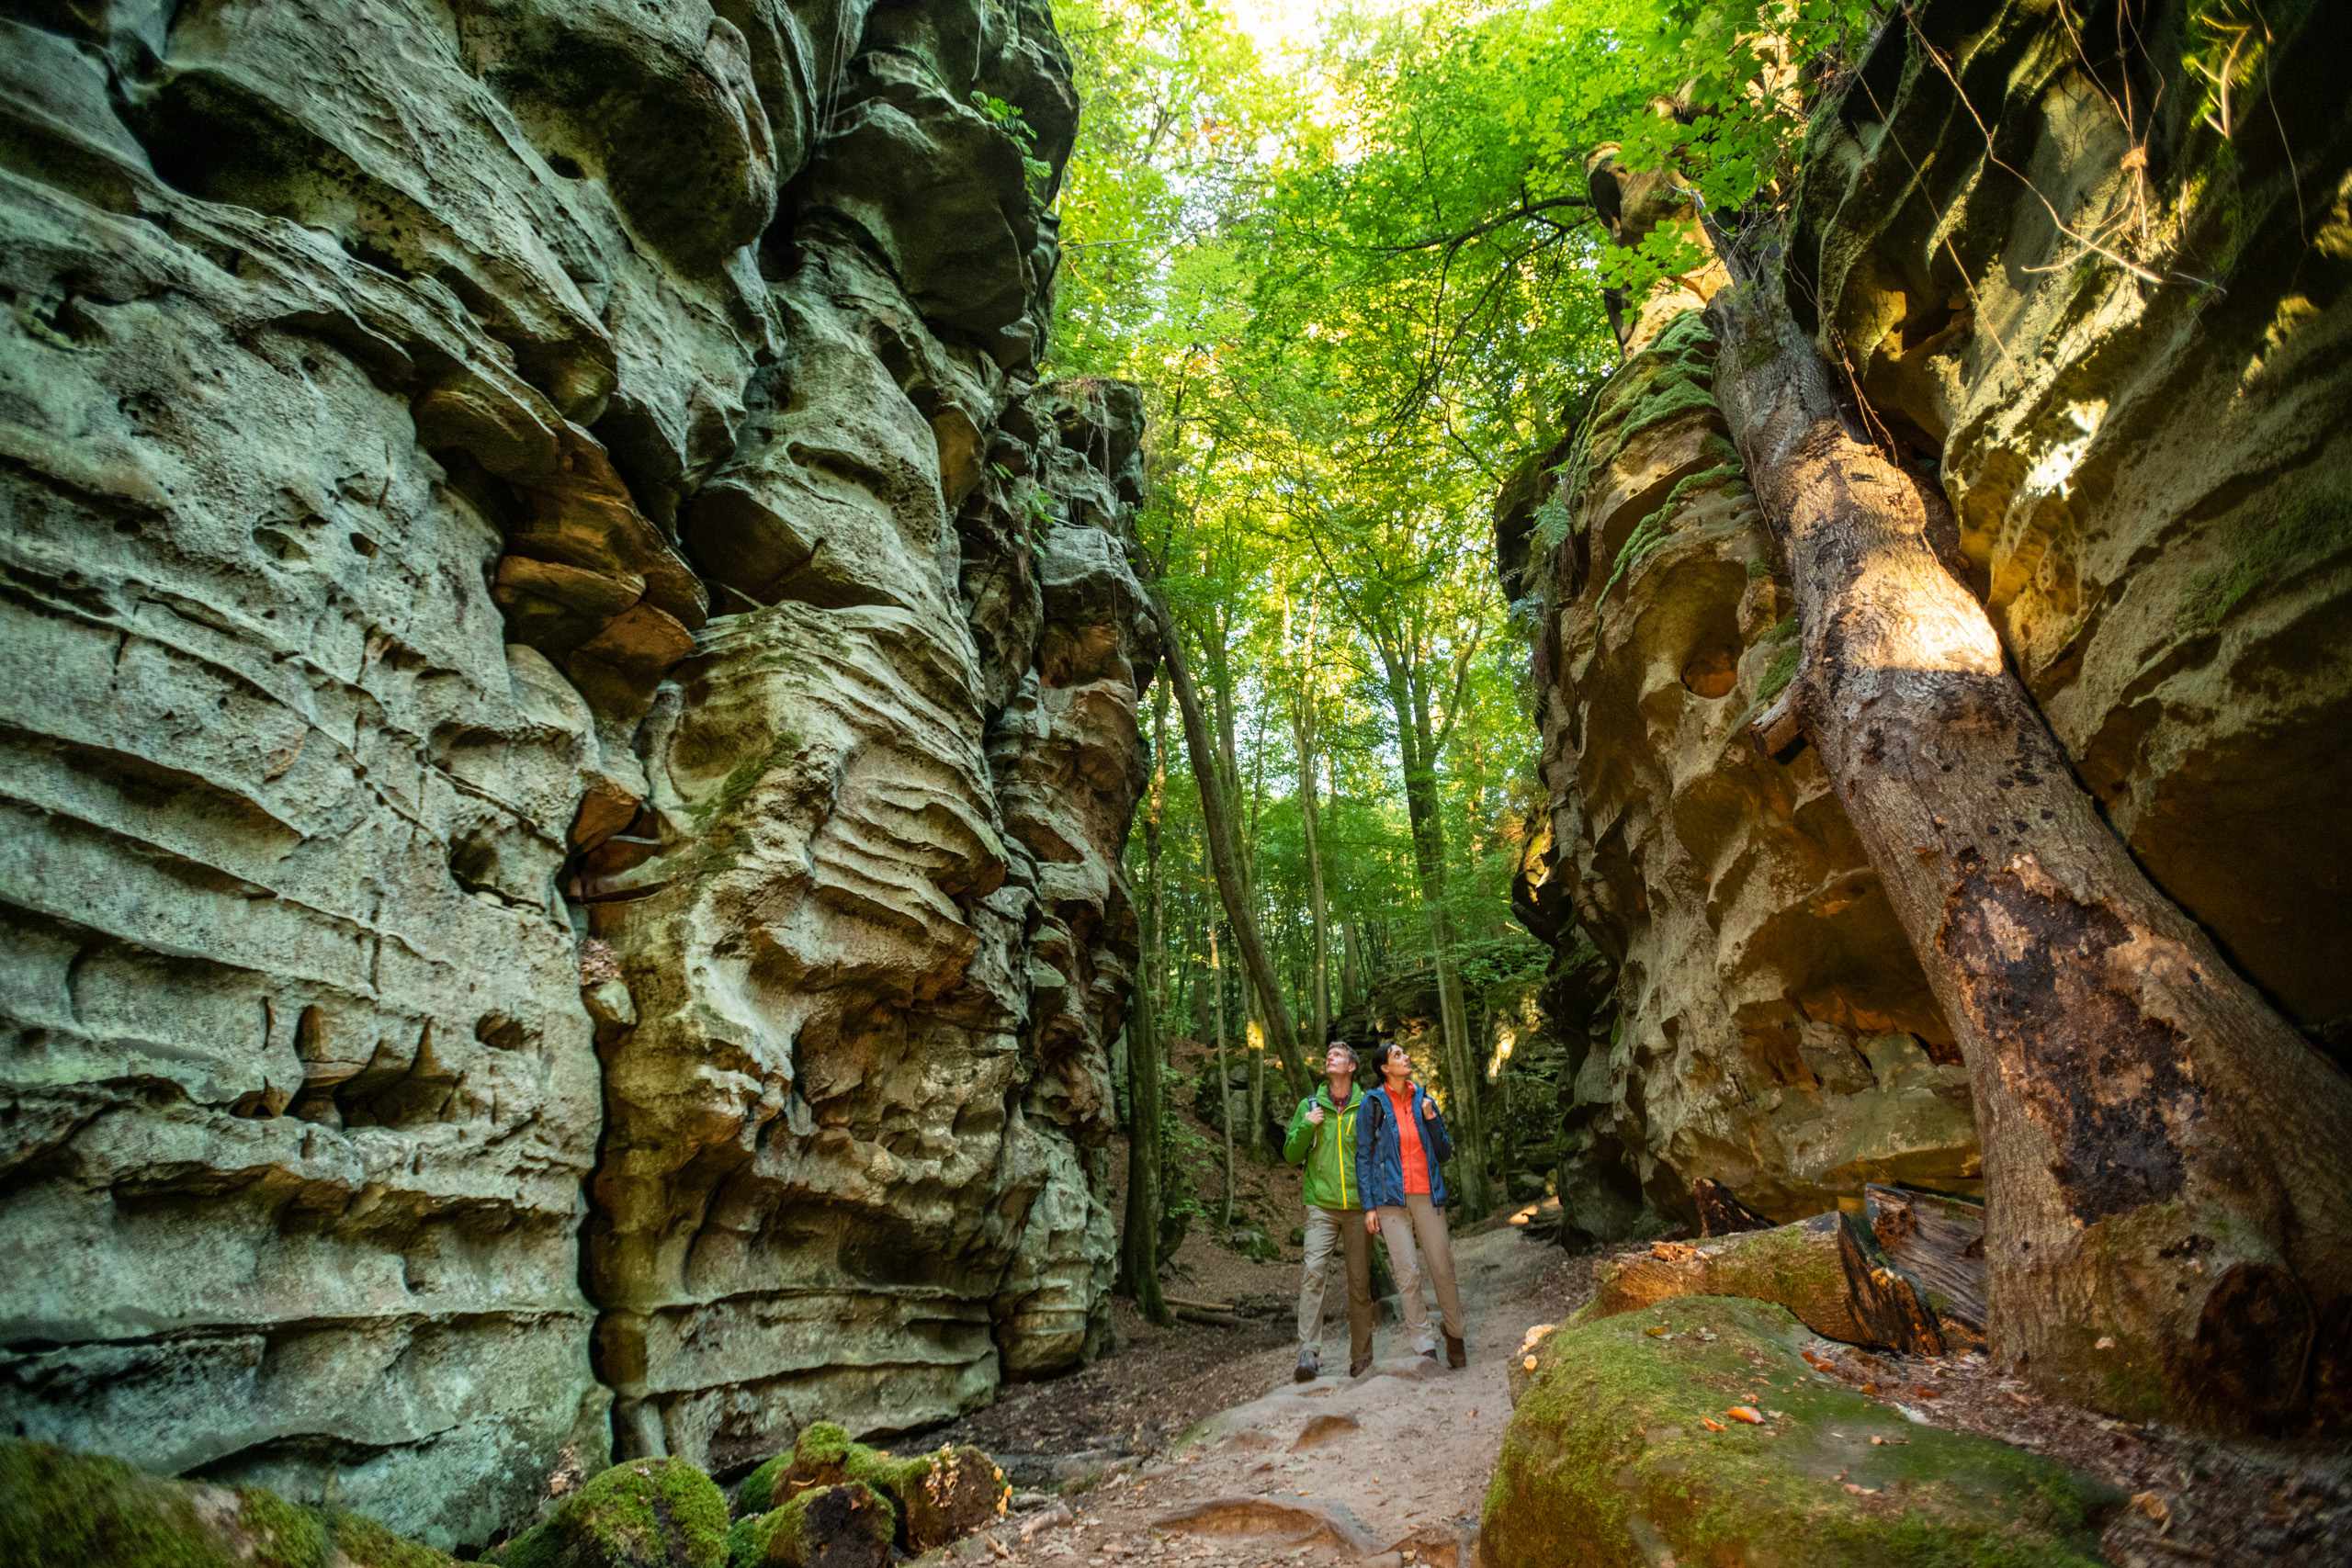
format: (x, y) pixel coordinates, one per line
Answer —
(647, 1513)
(1607, 1460)
(850, 1525)
(66, 1510)
(934, 1497)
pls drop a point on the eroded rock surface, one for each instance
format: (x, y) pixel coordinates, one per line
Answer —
(1770, 1030)
(569, 719)
(2149, 481)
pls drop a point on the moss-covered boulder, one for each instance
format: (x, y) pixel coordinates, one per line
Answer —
(846, 1526)
(647, 1513)
(936, 1497)
(1610, 1459)
(66, 1510)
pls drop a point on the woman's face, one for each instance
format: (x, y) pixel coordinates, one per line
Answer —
(1397, 1067)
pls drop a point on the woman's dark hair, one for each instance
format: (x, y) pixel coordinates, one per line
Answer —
(1377, 1056)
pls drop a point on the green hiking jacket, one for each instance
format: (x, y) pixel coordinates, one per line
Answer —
(1328, 1152)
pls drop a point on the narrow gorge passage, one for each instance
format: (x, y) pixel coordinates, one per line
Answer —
(1338, 1470)
(760, 759)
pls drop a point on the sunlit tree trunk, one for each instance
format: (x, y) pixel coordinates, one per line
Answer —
(2167, 1227)
(1139, 1241)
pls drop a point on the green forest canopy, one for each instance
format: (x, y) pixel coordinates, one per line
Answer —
(1358, 279)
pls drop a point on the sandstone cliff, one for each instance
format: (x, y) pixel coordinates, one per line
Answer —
(2149, 474)
(569, 720)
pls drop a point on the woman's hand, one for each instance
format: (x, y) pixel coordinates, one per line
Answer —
(1428, 1108)
(1372, 1222)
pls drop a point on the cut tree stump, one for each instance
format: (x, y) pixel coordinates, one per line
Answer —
(1886, 1301)
(1939, 1241)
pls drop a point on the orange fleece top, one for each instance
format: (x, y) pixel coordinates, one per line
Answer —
(1408, 1141)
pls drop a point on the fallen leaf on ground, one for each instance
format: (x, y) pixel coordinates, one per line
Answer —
(1861, 1491)
(2153, 1506)
(1527, 1365)
(1655, 1331)
(1745, 1413)
(1711, 1424)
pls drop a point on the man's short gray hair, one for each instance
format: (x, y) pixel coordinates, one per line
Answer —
(1353, 1060)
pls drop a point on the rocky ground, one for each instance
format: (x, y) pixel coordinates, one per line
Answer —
(1191, 1445)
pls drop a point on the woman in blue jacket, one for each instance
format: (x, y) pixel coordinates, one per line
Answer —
(1401, 1143)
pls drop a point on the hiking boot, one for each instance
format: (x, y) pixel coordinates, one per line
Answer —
(1457, 1355)
(1358, 1368)
(1430, 1354)
(1310, 1365)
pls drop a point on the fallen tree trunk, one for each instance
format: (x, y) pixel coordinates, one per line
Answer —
(1831, 1271)
(2168, 1230)
(1797, 1265)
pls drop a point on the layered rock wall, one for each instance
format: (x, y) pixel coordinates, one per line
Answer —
(568, 723)
(2128, 368)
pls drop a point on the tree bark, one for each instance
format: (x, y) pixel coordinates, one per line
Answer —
(1319, 953)
(2168, 1232)
(1225, 856)
(1224, 1084)
(1140, 1238)
(1410, 701)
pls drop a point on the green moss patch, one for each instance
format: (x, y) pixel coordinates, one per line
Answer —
(1656, 528)
(1607, 1460)
(647, 1513)
(2307, 529)
(65, 1510)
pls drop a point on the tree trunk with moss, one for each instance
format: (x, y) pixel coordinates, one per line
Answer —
(2168, 1230)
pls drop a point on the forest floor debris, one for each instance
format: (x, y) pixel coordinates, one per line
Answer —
(2193, 1499)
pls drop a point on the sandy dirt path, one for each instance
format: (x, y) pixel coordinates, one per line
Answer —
(1385, 1469)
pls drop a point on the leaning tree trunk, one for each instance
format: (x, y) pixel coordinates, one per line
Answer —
(2168, 1227)
(1224, 855)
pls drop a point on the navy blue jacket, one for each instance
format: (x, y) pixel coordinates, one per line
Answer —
(1380, 1164)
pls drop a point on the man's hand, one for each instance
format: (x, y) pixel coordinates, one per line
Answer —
(1372, 1222)
(1429, 1110)
(1315, 1114)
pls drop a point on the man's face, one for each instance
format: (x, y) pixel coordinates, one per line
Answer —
(1340, 1062)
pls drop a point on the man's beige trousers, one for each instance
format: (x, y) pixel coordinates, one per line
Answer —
(1417, 1245)
(1345, 1226)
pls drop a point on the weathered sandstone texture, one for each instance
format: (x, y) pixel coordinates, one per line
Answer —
(2151, 480)
(566, 722)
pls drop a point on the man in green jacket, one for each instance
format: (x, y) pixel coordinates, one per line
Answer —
(1322, 1138)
